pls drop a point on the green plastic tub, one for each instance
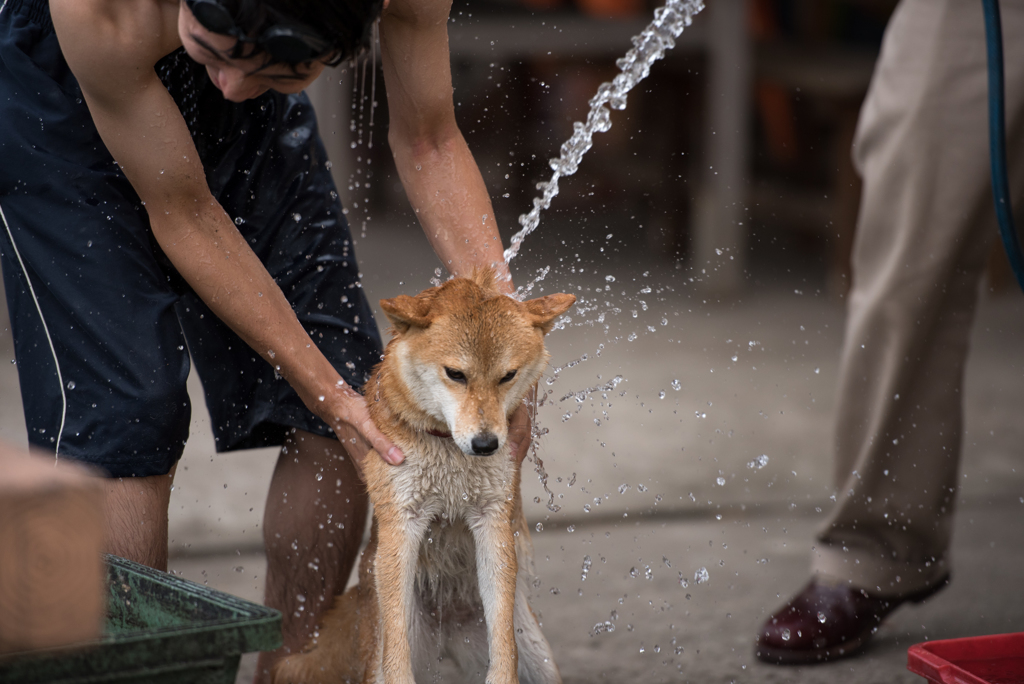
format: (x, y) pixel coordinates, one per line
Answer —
(160, 629)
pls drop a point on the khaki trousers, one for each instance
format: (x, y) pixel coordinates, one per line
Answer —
(925, 228)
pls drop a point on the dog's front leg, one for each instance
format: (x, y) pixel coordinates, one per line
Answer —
(399, 535)
(496, 568)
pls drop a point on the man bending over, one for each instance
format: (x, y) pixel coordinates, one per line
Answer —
(164, 192)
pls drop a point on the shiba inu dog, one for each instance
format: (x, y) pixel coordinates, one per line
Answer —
(447, 566)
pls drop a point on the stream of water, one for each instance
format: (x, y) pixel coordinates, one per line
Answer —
(648, 47)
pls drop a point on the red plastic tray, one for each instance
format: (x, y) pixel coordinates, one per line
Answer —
(996, 659)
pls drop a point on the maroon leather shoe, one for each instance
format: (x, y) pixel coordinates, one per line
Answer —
(825, 622)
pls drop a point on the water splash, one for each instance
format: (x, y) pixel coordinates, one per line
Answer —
(759, 462)
(581, 395)
(361, 125)
(648, 47)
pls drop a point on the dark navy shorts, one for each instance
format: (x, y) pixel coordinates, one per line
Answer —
(103, 324)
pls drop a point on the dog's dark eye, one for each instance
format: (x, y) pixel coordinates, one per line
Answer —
(508, 376)
(456, 375)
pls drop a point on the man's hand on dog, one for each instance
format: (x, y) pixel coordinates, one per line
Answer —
(356, 431)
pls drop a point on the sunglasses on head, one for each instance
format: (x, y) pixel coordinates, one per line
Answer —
(285, 41)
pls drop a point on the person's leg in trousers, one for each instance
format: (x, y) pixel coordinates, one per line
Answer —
(925, 228)
(926, 225)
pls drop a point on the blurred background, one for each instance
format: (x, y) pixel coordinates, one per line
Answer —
(688, 409)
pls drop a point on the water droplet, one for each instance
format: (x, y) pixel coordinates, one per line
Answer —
(586, 568)
(319, 476)
(648, 573)
(759, 462)
(821, 617)
(785, 634)
(539, 527)
(661, 394)
(570, 528)
(609, 279)
(71, 384)
(701, 576)
(720, 481)
(676, 386)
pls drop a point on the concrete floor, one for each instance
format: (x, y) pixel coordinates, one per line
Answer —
(666, 480)
(704, 633)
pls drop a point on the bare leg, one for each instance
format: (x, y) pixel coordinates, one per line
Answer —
(313, 526)
(136, 518)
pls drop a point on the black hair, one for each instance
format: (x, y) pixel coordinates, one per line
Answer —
(347, 25)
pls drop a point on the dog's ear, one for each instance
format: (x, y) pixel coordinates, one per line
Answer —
(545, 310)
(406, 312)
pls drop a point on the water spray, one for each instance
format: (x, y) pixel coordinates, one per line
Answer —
(648, 47)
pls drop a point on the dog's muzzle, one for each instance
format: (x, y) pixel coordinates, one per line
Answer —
(484, 444)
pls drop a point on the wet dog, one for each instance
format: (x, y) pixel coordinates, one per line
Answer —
(446, 571)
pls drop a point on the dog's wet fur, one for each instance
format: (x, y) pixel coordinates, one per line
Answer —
(447, 566)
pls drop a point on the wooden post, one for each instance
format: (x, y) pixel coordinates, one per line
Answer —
(52, 575)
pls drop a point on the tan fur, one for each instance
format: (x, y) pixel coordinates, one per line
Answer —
(447, 568)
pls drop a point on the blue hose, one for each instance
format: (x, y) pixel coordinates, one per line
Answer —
(997, 138)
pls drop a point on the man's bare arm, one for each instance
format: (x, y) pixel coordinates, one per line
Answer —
(112, 47)
(438, 171)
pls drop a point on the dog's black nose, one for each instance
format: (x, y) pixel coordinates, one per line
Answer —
(485, 444)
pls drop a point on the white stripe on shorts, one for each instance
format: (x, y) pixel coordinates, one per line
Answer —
(46, 329)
